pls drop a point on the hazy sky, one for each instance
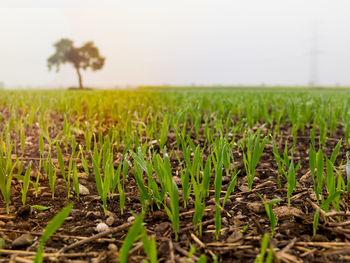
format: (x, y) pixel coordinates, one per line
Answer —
(178, 42)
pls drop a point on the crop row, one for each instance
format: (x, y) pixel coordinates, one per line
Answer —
(115, 135)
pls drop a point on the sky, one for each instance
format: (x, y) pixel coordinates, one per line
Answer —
(182, 42)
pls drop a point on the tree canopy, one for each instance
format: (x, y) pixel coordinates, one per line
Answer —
(84, 57)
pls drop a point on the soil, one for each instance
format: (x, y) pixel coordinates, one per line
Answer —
(244, 220)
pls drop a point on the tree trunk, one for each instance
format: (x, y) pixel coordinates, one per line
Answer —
(80, 79)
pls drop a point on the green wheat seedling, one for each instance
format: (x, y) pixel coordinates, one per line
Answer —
(163, 132)
(6, 171)
(348, 172)
(200, 190)
(139, 168)
(231, 187)
(261, 256)
(52, 177)
(136, 232)
(75, 179)
(33, 208)
(217, 186)
(192, 169)
(286, 163)
(173, 192)
(37, 180)
(251, 156)
(315, 221)
(50, 229)
(312, 165)
(186, 187)
(161, 172)
(25, 184)
(316, 162)
(103, 184)
(120, 183)
(194, 166)
(67, 131)
(312, 134)
(335, 152)
(66, 177)
(330, 182)
(323, 127)
(85, 164)
(318, 182)
(269, 212)
(88, 134)
(347, 132)
(280, 162)
(149, 167)
(325, 203)
(23, 138)
(221, 158)
(131, 238)
(150, 246)
(291, 179)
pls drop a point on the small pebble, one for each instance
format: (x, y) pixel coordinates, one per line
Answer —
(131, 219)
(110, 220)
(83, 190)
(22, 241)
(112, 247)
(101, 227)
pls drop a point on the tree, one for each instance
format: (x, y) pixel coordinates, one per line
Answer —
(87, 56)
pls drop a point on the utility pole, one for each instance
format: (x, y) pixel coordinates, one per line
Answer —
(314, 57)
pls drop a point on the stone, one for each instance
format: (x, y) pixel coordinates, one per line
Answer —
(162, 227)
(256, 207)
(22, 241)
(319, 238)
(83, 190)
(235, 236)
(112, 247)
(101, 227)
(131, 219)
(244, 188)
(284, 212)
(110, 220)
